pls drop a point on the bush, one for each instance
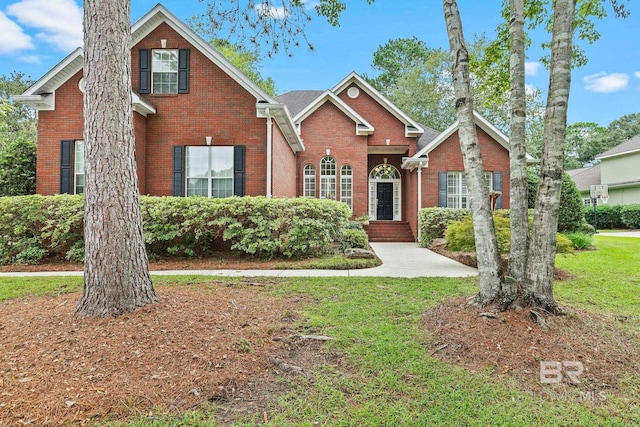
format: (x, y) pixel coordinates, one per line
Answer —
(460, 238)
(434, 222)
(354, 239)
(563, 244)
(580, 240)
(571, 214)
(630, 215)
(586, 228)
(608, 216)
(34, 227)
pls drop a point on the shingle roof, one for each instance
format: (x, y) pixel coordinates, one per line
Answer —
(632, 144)
(297, 100)
(428, 136)
(586, 177)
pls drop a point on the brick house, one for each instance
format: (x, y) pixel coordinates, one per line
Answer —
(203, 128)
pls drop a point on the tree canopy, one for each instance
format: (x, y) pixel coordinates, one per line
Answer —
(248, 61)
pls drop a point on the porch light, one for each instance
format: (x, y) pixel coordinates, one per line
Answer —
(208, 139)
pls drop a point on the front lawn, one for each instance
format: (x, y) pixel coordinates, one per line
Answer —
(383, 366)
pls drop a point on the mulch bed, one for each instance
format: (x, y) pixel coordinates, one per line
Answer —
(211, 343)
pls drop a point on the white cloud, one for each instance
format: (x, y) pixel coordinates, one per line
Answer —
(637, 74)
(267, 11)
(532, 68)
(606, 83)
(58, 22)
(12, 37)
(29, 59)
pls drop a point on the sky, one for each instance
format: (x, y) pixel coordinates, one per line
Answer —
(35, 35)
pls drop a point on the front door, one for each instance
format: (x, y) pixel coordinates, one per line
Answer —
(384, 210)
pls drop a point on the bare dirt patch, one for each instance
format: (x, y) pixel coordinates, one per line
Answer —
(211, 343)
(512, 345)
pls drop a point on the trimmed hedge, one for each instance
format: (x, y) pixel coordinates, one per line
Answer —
(608, 216)
(34, 227)
(630, 215)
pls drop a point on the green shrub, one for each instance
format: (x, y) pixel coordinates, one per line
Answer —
(586, 228)
(34, 227)
(571, 214)
(460, 238)
(563, 244)
(354, 239)
(434, 222)
(630, 215)
(580, 240)
(608, 216)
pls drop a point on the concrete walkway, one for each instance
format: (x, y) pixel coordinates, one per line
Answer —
(634, 233)
(398, 260)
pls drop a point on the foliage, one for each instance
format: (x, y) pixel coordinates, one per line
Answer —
(34, 227)
(580, 240)
(563, 244)
(265, 23)
(571, 207)
(583, 142)
(460, 236)
(354, 239)
(609, 216)
(247, 61)
(630, 215)
(17, 139)
(571, 216)
(434, 222)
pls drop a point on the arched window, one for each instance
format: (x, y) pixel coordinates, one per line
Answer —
(328, 178)
(384, 171)
(346, 186)
(309, 181)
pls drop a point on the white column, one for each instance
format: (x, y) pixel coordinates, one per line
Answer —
(419, 198)
(269, 153)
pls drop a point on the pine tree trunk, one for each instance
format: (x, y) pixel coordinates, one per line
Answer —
(542, 248)
(518, 214)
(489, 263)
(116, 269)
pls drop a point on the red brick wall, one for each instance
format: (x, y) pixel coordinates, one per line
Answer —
(216, 106)
(140, 131)
(328, 127)
(448, 157)
(65, 123)
(284, 181)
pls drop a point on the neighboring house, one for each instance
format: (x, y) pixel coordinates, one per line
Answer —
(204, 129)
(619, 169)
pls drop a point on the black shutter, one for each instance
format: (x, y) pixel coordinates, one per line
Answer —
(144, 70)
(66, 159)
(183, 70)
(442, 189)
(238, 170)
(178, 170)
(497, 186)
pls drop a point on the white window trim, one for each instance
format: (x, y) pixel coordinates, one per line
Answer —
(209, 178)
(326, 180)
(75, 166)
(348, 179)
(153, 72)
(311, 178)
(459, 194)
(397, 194)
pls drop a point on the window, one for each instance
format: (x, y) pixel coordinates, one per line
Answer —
(346, 186)
(327, 178)
(457, 190)
(309, 181)
(78, 168)
(587, 202)
(210, 171)
(164, 64)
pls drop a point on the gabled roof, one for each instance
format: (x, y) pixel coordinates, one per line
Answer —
(586, 177)
(482, 123)
(629, 146)
(363, 127)
(159, 14)
(297, 100)
(412, 128)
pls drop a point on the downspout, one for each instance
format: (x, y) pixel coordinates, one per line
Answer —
(419, 199)
(269, 154)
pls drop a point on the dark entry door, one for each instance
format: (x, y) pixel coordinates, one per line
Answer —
(385, 201)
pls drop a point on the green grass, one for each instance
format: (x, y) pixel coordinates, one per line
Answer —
(332, 262)
(608, 278)
(393, 381)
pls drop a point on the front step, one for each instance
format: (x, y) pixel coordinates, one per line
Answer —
(389, 231)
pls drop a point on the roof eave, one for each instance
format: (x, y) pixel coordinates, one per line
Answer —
(280, 114)
(43, 102)
(623, 153)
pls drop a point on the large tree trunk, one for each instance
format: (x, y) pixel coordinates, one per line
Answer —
(542, 249)
(116, 269)
(517, 158)
(489, 264)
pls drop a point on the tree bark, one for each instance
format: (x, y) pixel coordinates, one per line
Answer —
(489, 263)
(542, 248)
(116, 269)
(518, 214)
